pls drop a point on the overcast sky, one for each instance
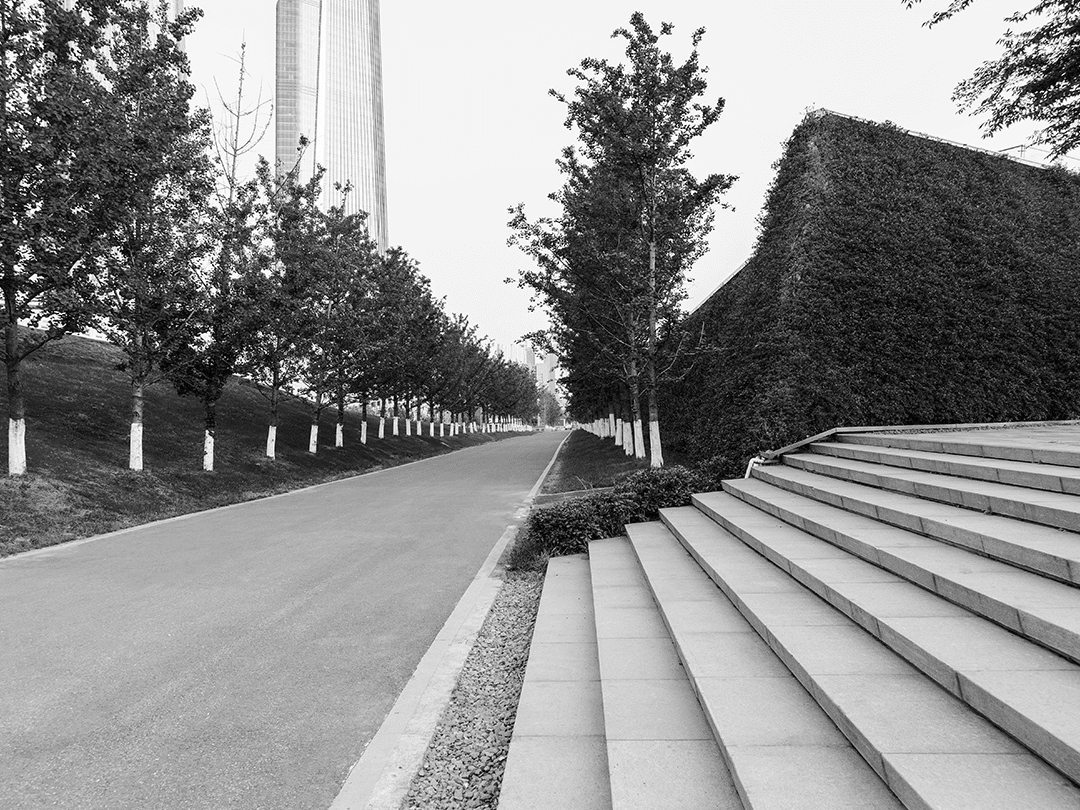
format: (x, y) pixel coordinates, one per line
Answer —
(471, 129)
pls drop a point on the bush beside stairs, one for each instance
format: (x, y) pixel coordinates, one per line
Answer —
(879, 620)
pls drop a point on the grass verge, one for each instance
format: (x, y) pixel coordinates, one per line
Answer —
(77, 446)
(589, 462)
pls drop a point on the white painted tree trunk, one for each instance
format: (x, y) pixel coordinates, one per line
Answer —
(313, 440)
(611, 425)
(627, 439)
(395, 430)
(442, 429)
(619, 432)
(271, 442)
(382, 428)
(208, 451)
(363, 432)
(431, 430)
(16, 446)
(408, 426)
(135, 455)
(639, 440)
(656, 452)
(339, 436)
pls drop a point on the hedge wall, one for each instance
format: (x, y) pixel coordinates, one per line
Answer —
(896, 280)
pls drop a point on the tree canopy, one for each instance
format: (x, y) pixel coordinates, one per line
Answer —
(1035, 78)
(611, 269)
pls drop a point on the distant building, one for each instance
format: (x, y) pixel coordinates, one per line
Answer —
(548, 374)
(175, 11)
(329, 90)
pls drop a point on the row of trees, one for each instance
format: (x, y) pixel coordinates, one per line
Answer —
(116, 214)
(611, 267)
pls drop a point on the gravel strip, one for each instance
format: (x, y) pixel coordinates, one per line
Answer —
(464, 762)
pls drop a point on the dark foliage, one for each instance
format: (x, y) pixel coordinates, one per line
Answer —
(568, 526)
(896, 280)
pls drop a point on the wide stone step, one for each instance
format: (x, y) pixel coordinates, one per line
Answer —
(661, 752)
(779, 746)
(931, 749)
(558, 757)
(1022, 688)
(1037, 506)
(1049, 477)
(1040, 609)
(1043, 549)
(984, 443)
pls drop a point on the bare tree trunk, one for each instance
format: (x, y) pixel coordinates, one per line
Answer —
(635, 410)
(656, 453)
(313, 439)
(271, 431)
(627, 431)
(339, 433)
(16, 402)
(209, 433)
(135, 442)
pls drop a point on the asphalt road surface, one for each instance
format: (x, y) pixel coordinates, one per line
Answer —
(240, 658)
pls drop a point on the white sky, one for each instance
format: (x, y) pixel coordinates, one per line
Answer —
(471, 130)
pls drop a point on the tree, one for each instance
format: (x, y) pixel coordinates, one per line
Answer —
(147, 278)
(61, 158)
(634, 217)
(337, 312)
(288, 221)
(551, 410)
(228, 312)
(1036, 78)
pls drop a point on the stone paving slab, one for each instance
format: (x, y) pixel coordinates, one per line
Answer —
(1051, 477)
(661, 750)
(1039, 506)
(695, 777)
(780, 748)
(556, 773)
(1043, 549)
(887, 711)
(1021, 687)
(1045, 610)
(1050, 445)
(558, 757)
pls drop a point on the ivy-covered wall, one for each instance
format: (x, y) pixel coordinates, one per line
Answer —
(896, 280)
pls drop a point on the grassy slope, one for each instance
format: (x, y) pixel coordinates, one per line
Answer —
(587, 462)
(77, 445)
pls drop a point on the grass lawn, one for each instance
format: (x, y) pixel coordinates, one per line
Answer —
(588, 462)
(78, 485)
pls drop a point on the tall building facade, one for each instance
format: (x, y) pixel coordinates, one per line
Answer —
(329, 90)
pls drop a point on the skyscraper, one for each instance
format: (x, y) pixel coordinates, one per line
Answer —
(175, 11)
(329, 90)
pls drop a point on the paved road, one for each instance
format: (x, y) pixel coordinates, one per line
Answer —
(241, 658)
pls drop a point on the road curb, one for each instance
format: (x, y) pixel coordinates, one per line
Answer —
(380, 779)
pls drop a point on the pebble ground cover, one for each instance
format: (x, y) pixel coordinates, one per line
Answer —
(464, 763)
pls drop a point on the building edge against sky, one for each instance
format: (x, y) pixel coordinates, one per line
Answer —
(329, 89)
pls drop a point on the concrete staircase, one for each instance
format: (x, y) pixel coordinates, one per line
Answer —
(877, 620)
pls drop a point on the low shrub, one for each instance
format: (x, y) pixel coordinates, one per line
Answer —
(716, 469)
(653, 490)
(568, 526)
